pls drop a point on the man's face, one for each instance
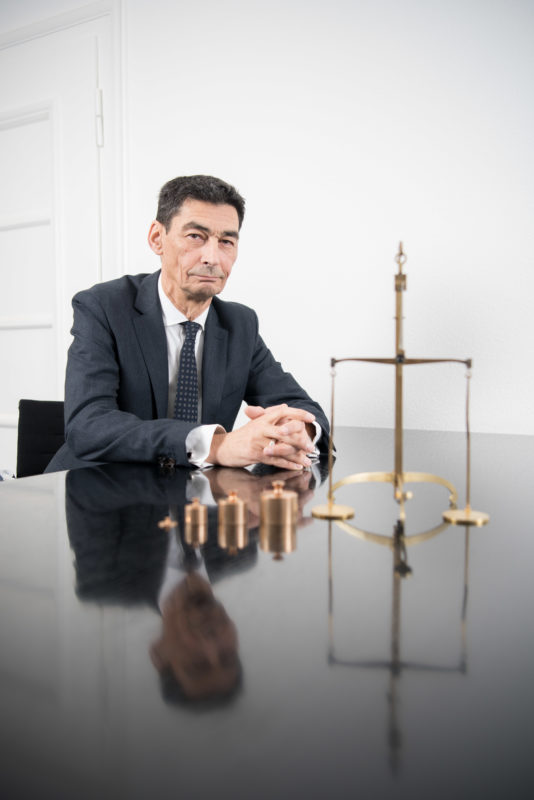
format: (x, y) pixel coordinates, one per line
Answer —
(197, 252)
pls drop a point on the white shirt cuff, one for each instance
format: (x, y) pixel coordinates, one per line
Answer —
(318, 433)
(198, 444)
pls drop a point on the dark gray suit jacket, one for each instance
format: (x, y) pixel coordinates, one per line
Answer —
(116, 389)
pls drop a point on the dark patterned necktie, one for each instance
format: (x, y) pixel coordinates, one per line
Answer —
(186, 403)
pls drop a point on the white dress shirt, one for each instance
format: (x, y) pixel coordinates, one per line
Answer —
(198, 441)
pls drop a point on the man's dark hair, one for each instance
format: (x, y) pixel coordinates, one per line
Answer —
(196, 187)
(173, 693)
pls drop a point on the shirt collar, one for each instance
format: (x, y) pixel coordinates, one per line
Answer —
(171, 315)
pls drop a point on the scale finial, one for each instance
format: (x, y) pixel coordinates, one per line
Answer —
(400, 258)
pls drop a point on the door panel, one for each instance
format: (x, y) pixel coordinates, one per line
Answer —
(53, 177)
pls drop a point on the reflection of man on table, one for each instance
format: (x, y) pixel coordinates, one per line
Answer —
(123, 555)
(121, 395)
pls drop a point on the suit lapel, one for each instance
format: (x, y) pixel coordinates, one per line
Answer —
(213, 365)
(152, 340)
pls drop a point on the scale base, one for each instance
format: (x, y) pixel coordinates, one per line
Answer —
(332, 511)
(466, 516)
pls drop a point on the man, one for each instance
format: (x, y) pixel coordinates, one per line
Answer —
(121, 397)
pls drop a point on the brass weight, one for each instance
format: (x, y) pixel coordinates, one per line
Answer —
(232, 534)
(278, 520)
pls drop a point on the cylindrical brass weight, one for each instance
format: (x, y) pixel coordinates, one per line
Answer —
(233, 523)
(196, 523)
(278, 520)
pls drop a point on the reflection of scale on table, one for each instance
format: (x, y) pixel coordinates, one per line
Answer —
(396, 665)
(398, 477)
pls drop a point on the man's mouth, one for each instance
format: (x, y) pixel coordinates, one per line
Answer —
(209, 276)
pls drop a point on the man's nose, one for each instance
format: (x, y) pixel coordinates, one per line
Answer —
(210, 251)
(211, 652)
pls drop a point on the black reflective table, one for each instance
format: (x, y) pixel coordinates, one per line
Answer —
(335, 676)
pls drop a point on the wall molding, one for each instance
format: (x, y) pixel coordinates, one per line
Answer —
(40, 112)
(16, 223)
(59, 22)
(27, 322)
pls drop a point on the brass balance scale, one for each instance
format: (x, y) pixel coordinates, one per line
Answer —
(398, 477)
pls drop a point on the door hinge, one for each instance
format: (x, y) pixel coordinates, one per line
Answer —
(99, 118)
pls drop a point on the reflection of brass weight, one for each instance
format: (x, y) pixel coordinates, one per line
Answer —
(233, 518)
(278, 520)
(196, 523)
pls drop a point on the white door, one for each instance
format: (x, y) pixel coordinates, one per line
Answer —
(59, 179)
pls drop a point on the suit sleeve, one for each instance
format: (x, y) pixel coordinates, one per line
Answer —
(269, 385)
(96, 428)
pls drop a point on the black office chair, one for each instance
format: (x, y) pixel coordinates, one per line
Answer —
(41, 432)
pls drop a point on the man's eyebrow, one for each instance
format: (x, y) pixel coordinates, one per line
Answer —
(198, 227)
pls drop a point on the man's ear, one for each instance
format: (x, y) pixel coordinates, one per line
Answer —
(158, 655)
(155, 236)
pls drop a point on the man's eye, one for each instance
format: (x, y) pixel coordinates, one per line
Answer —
(228, 242)
(194, 236)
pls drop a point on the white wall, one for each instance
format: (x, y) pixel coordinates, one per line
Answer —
(349, 126)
